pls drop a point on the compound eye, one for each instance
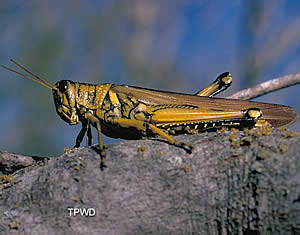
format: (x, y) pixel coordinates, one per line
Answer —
(63, 86)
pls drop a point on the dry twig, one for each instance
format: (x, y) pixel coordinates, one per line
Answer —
(267, 87)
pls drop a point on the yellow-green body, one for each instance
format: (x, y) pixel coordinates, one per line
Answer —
(133, 113)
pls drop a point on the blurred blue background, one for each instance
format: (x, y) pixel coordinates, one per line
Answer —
(172, 45)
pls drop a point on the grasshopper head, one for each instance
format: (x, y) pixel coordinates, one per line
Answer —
(63, 94)
(64, 100)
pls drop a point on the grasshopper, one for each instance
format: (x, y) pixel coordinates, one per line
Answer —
(128, 112)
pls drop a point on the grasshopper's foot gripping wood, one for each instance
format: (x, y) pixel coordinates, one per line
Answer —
(92, 119)
(102, 157)
(187, 147)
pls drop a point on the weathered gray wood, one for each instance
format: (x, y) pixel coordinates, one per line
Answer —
(151, 187)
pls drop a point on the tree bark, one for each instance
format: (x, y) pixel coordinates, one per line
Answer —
(232, 183)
